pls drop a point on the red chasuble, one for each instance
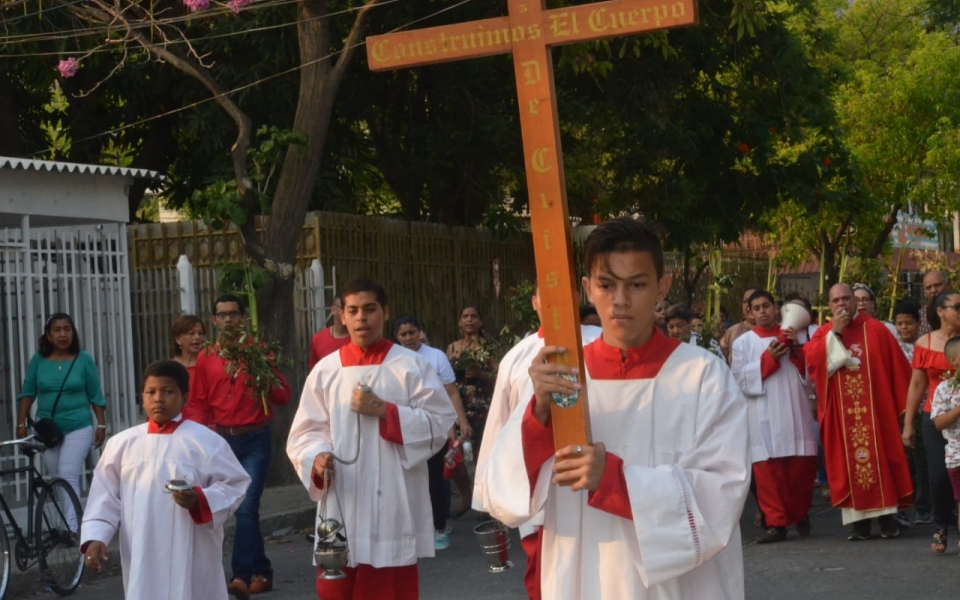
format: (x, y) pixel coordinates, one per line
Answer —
(858, 409)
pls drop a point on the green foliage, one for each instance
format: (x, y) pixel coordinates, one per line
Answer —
(520, 308)
(245, 350)
(59, 140)
(219, 202)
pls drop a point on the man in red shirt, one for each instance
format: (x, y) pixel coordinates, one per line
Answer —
(331, 338)
(229, 405)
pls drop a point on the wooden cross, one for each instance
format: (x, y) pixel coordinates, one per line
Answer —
(529, 31)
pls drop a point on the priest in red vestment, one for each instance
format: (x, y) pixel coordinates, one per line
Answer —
(861, 376)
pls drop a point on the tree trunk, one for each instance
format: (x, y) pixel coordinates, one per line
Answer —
(319, 82)
(889, 222)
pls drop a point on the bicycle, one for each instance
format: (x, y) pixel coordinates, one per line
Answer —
(50, 540)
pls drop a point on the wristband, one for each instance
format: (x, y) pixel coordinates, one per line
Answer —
(101, 426)
(21, 426)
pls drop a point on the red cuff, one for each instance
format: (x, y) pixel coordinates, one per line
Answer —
(317, 480)
(768, 365)
(201, 512)
(612, 495)
(537, 442)
(390, 425)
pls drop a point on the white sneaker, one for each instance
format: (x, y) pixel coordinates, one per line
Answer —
(441, 540)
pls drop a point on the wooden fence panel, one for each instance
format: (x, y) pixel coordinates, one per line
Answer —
(427, 269)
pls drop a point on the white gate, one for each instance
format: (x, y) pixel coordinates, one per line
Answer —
(79, 270)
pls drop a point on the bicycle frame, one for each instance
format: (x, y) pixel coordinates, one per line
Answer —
(35, 483)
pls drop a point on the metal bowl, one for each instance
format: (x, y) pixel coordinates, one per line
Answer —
(178, 485)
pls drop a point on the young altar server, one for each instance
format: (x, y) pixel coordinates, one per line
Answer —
(403, 414)
(171, 543)
(651, 509)
(783, 445)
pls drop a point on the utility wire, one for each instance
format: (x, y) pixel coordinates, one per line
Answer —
(258, 81)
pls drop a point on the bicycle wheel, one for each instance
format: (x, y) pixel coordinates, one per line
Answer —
(57, 528)
(4, 559)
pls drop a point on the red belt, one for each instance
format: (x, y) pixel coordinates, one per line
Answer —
(241, 429)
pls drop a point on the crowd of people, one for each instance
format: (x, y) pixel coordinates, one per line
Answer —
(687, 418)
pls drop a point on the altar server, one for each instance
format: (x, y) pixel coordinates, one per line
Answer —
(783, 445)
(651, 509)
(171, 544)
(405, 414)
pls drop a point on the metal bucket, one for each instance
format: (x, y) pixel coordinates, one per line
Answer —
(494, 542)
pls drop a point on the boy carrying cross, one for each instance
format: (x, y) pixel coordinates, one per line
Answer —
(171, 542)
(651, 509)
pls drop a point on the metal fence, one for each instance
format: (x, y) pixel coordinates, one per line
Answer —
(80, 270)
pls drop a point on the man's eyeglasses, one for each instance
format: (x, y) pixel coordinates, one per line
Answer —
(228, 315)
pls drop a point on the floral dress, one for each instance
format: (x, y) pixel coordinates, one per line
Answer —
(474, 391)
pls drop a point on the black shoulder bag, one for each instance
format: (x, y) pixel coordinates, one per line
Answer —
(45, 429)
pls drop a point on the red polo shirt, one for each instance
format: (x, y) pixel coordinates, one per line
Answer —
(216, 399)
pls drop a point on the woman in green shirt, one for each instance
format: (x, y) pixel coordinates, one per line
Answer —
(60, 363)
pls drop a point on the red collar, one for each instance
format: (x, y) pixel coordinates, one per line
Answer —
(764, 332)
(540, 333)
(641, 362)
(352, 355)
(165, 429)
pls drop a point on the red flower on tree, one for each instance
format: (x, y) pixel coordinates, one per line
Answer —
(743, 148)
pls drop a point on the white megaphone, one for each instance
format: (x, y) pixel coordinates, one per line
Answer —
(793, 315)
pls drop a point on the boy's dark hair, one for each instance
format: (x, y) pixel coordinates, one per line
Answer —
(45, 346)
(170, 369)
(908, 307)
(587, 311)
(224, 298)
(951, 346)
(679, 311)
(623, 234)
(760, 294)
(182, 325)
(357, 286)
(405, 320)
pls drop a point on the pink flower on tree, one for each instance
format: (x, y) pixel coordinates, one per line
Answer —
(195, 5)
(237, 5)
(68, 68)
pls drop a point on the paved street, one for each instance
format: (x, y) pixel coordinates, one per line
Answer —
(822, 566)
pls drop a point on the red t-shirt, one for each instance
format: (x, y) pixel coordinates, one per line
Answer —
(322, 344)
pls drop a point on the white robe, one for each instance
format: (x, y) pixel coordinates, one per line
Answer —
(680, 436)
(778, 410)
(513, 388)
(164, 554)
(384, 497)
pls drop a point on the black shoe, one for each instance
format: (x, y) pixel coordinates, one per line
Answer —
(804, 527)
(860, 531)
(888, 527)
(773, 534)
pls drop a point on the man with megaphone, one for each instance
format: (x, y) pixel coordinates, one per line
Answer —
(783, 446)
